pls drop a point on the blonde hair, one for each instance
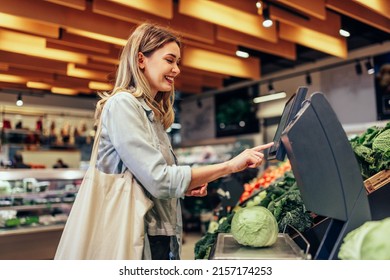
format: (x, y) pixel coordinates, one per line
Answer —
(146, 38)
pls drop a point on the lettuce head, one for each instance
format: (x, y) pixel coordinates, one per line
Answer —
(254, 226)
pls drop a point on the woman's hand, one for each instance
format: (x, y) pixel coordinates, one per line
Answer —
(198, 191)
(250, 158)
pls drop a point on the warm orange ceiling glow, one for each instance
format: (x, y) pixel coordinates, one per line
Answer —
(99, 86)
(161, 8)
(73, 71)
(75, 4)
(38, 85)
(228, 17)
(380, 6)
(66, 91)
(315, 8)
(35, 46)
(29, 25)
(220, 63)
(12, 79)
(4, 66)
(313, 39)
(97, 36)
(104, 59)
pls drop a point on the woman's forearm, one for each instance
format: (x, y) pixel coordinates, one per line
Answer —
(204, 174)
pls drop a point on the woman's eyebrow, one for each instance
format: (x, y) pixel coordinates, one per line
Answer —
(171, 54)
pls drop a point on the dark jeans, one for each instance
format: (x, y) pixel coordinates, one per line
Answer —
(160, 247)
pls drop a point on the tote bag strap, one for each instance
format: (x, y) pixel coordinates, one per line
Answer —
(95, 147)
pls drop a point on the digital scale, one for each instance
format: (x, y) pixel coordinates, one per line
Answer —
(326, 171)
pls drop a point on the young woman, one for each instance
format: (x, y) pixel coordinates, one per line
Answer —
(135, 116)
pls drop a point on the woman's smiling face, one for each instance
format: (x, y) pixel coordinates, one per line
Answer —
(161, 67)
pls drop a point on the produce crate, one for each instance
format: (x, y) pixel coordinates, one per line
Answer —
(377, 181)
(378, 192)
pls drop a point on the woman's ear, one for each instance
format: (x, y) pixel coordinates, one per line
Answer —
(141, 60)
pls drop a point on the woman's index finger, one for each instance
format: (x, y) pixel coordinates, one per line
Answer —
(263, 147)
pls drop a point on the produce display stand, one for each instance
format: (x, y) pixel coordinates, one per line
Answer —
(327, 173)
(328, 177)
(378, 193)
(34, 243)
(39, 240)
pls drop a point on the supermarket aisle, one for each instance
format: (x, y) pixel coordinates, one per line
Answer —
(190, 239)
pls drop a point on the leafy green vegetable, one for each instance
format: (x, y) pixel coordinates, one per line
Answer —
(254, 226)
(204, 246)
(376, 243)
(382, 141)
(284, 200)
(372, 150)
(368, 242)
(350, 249)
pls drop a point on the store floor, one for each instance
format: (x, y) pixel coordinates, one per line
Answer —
(190, 238)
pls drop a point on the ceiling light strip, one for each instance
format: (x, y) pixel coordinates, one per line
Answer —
(270, 97)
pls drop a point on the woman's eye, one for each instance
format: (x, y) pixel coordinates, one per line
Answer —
(170, 60)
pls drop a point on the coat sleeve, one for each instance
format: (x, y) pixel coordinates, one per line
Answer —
(124, 120)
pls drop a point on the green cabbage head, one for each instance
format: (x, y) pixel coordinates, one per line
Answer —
(254, 226)
(370, 241)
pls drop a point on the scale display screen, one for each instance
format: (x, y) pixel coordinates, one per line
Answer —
(291, 108)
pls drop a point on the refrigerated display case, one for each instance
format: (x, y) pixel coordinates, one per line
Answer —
(34, 206)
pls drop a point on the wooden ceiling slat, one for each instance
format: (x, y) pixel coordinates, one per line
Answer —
(246, 6)
(79, 72)
(161, 8)
(67, 17)
(336, 46)
(381, 7)
(186, 26)
(29, 26)
(32, 45)
(53, 44)
(75, 4)
(282, 48)
(38, 76)
(204, 81)
(72, 40)
(33, 63)
(315, 8)
(359, 13)
(191, 70)
(4, 66)
(330, 26)
(93, 65)
(228, 17)
(5, 85)
(220, 63)
(68, 81)
(218, 46)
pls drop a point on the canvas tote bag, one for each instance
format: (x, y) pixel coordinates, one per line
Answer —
(107, 218)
